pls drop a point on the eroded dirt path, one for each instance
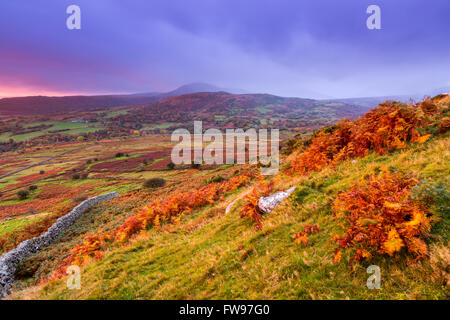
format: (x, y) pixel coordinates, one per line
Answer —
(230, 206)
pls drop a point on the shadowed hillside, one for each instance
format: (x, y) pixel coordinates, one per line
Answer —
(41, 105)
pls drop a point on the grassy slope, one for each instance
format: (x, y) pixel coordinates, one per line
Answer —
(19, 223)
(217, 256)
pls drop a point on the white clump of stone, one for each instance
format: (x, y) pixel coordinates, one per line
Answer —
(267, 204)
(4, 220)
(10, 260)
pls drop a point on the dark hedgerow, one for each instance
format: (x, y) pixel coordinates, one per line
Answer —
(23, 194)
(171, 165)
(195, 166)
(155, 183)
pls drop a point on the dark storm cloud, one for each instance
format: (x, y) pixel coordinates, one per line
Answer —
(296, 48)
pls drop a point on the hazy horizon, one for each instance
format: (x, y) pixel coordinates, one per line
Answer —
(135, 93)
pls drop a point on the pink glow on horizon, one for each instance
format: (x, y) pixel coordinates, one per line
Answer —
(10, 92)
(7, 92)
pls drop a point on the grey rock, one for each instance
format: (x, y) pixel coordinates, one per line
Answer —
(267, 204)
(10, 260)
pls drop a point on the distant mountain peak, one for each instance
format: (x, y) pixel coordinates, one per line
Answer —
(196, 87)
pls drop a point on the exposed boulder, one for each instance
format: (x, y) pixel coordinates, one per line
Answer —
(267, 204)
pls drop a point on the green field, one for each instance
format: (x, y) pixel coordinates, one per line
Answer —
(71, 127)
(18, 223)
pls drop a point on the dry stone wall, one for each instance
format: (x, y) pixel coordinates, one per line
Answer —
(10, 260)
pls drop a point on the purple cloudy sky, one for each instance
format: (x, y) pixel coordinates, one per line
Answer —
(318, 48)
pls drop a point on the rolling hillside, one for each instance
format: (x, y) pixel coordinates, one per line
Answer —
(42, 105)
(221, 109)
(88, 116)
(373, 191)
